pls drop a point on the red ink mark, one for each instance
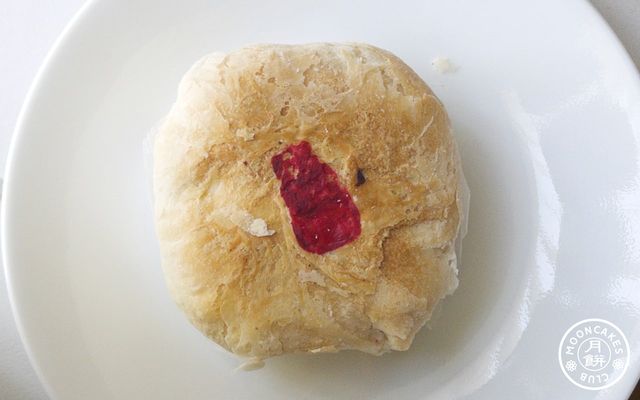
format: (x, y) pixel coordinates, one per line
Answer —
(323, 215)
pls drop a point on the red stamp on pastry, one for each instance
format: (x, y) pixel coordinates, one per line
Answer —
(323, 214)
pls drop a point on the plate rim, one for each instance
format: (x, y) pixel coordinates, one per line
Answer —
(5, 194)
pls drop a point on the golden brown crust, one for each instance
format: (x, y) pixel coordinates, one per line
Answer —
(359, 107)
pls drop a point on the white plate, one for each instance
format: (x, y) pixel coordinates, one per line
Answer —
(546, 108)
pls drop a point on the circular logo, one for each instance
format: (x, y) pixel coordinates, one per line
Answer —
(594, 354)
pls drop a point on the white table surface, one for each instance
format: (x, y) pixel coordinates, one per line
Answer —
(28, 29)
